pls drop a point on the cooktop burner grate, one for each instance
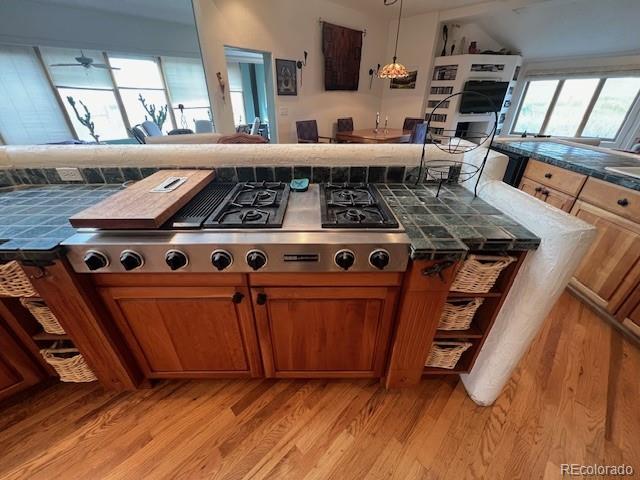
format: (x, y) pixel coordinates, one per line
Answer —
(354, 206)
(252, 205)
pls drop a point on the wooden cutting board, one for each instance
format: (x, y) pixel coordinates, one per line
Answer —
(146, 204)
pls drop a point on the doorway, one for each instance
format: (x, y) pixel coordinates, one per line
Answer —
(251, 91)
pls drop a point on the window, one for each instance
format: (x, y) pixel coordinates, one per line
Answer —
(581, 107)
(534, 107)
(571, 106)
(35, 108)
(236, 93)
(91, 86)
(104, 110)
(187, 87)
(29, 113)
(612, 107)
(140, 77)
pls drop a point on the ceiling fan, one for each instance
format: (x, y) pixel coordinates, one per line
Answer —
(86, 62)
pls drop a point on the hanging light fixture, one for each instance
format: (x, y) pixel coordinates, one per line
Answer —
(394, 69)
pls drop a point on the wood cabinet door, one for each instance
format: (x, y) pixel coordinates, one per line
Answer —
(323, 331)
(546, 194)
(188, 332)
(529, 186)
(17, 370)
(610, 269)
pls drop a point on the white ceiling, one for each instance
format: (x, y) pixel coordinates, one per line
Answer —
(410, 7)
(179, 11)
(567, 28)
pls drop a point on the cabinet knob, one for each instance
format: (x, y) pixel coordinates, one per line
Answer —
(237, 297)
(548, 175)
(623, 202)
(261, 298)
(538, 189)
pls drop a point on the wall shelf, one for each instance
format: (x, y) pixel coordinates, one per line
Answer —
(482, 321)
(471, 332)
(44, 336)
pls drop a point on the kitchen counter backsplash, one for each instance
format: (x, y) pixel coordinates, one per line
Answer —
(316, 174)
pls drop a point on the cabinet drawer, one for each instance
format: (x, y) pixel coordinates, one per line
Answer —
(613, 198)
(547, 194)
(555, 177)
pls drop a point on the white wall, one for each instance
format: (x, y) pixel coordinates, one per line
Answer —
(416, 47)
(286, 28)
(28, 22)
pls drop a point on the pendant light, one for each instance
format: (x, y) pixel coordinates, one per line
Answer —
(394, 69)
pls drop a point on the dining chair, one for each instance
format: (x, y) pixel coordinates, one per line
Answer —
(345, 124)
(418, 133)
(307, 131)
(410, 122)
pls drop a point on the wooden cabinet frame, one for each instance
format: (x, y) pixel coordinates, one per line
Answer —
(628, 281)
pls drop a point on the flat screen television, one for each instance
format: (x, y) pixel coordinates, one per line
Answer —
(477, 104)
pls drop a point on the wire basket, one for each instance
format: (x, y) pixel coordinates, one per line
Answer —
(14, 282)
(446, 354)
(43, 315)
(479, 273)
(68, 363)
(455, 141)
(459, 315)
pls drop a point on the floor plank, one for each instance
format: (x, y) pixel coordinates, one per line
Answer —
(575, 398)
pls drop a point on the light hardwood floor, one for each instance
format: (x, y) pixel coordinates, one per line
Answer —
(574, 399)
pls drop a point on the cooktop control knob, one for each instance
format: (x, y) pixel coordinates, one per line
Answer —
(379, 258)
(95, 260)
(256, 259)
(176, 259)
(345, 259)
(131, 260)
(221, 259)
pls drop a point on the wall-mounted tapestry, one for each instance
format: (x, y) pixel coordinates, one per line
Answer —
(342, 48)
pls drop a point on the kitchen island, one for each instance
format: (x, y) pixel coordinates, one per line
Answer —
(578, 180)
(130, 327)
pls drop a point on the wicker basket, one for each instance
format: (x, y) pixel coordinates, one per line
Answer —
(459, 316)
(69, 364)
(446, 354)
(41, 312)
(14, 282)
(479, 273)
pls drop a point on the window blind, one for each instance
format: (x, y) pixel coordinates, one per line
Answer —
(186, 81)
(76, 76)
(29, 112)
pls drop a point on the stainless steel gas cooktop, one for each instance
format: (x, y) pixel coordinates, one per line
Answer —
(256, 227)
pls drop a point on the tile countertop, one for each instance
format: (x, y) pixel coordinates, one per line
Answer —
(578, 159)
(454, 222)
(33, 221)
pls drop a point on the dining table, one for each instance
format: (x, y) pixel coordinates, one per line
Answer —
(373, 135)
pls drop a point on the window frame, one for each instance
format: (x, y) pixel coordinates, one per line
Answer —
(587, 113)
